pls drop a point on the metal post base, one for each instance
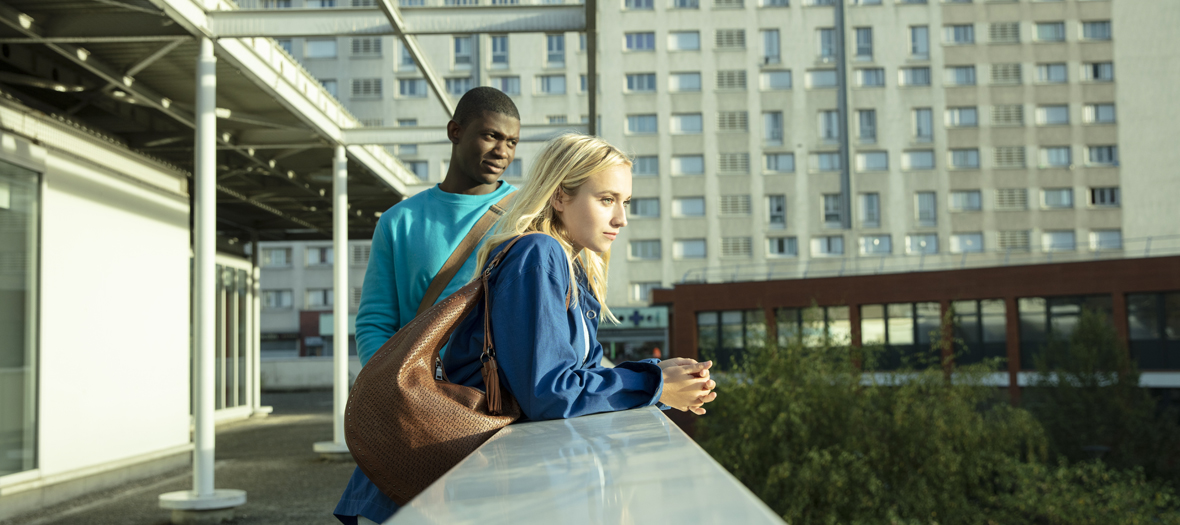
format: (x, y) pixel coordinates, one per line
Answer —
(202, 517)
(188, 508)
(333, 451)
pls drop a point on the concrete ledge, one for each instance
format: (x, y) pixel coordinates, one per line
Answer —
(38, 492)
(301, 373)
(630, 466)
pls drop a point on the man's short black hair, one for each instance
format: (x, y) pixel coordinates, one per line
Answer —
(482, 99)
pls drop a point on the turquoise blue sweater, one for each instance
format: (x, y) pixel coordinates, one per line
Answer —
(412, 241)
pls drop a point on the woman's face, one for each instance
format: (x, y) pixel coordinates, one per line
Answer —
(594, 216)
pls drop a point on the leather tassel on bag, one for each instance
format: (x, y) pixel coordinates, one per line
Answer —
(491, 380)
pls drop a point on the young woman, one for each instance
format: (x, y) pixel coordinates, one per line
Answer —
(548, 354)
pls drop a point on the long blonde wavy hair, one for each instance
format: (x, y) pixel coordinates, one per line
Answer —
(566, 163)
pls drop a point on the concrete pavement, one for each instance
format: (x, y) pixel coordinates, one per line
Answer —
(270, 458)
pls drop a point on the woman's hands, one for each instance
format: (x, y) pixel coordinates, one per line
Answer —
(687, 386)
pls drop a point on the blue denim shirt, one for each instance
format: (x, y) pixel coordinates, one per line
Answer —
(549, 356)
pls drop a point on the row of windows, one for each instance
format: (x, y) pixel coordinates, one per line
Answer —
(314, 256)
(641, 5)
(781, 80)
(313, 299)
(925, 205)
(968, 158)
(1006, 157)
(877, 244)
(736, 80)
(980, 327)
(770, 40)
(462, 55)
(828, 121)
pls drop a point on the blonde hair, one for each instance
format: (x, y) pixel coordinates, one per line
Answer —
(566, 163)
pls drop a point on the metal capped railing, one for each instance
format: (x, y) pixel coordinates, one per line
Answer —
(632, 466)
(847, 265)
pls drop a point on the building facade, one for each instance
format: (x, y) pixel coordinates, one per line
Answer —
(296, 292)
(941, 135)
(1008, 312)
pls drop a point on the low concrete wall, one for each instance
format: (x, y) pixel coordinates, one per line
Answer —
(40, 492)
(302, 373)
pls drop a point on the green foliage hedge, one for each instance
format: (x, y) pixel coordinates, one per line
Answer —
(821, 442)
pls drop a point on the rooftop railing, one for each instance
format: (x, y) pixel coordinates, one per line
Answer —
(369, 4)
(851, 264)
(633, 466)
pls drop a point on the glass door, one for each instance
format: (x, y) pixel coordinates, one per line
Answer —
(20, 218)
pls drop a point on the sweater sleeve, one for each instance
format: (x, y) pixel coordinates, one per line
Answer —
(533, 334)
(377, 316)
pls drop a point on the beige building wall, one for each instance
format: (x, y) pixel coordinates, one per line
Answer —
(1149, 116)
(1007, 83)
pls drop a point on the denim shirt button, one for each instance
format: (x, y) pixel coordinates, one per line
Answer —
(590, 314)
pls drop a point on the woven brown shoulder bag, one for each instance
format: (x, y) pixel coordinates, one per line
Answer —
(406, 424)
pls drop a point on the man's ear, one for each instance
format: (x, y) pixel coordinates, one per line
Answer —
(454, 131)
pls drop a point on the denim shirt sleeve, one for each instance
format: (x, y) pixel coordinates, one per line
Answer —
(541, 360)
(377, 316)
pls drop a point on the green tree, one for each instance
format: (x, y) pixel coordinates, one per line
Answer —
(1086, 393)
(822, 442)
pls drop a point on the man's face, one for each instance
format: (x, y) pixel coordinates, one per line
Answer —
(485, 146)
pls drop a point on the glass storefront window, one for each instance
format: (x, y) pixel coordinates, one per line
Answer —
(1153, 320)
(839, 325)
(981, 326)
(723, 335)
(706, 333)
(966, 319)
(755, 329)
(812, 324)
(20, 200)
(731, 329)
(1172, 316)
(1032, 319)
(872, 324)
(1041, 317)
(897, 326)
(928, 319)
(1143, 317)
(995, 321)
(789, 323)
(900, 324)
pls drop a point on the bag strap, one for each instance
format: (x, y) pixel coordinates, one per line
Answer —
(494, 261)
(490, 370)
(462, 252)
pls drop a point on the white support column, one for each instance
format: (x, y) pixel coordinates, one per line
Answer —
(203, 500)
(337, 448)
(256, 331)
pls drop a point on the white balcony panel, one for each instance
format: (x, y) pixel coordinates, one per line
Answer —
(633, 466)
(438, 135)
(287, 23)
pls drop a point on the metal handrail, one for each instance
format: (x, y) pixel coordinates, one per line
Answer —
(1152, 246)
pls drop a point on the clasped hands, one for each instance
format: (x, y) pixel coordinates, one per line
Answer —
(687, 386)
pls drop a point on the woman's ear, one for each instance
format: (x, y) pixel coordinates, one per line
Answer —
(557, 202)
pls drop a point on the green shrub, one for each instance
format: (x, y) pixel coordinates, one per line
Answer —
(1086, 393)
(822, 443)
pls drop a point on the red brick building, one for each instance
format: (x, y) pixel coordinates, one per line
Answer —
(999, 311)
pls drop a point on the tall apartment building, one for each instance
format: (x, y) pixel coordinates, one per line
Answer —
(941, 135)
(296, 291)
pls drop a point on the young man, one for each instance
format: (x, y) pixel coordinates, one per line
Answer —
(415, 237)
